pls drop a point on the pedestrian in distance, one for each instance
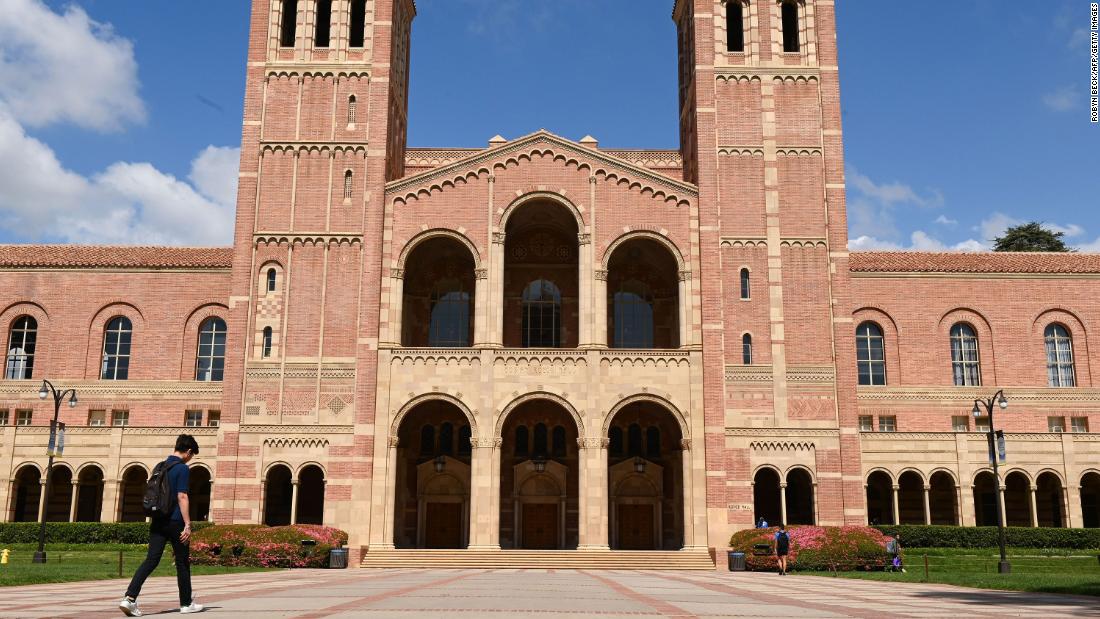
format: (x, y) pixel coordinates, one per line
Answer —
(167, 505)
(782, 548)
(761, 524)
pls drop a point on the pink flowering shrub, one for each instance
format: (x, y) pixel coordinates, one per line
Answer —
(260, 546)
(817, 548)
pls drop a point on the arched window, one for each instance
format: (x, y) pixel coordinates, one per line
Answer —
(450, 315)
(539, 448)
(745, 290)
(210, 357)
(323, 18)
(735, 26)
(266, 345)
(653, 442)
(634, 440)
(870, 354)
(290, 23)
(464, 444)
(271, 275)
(353, 111)
(1059, 356)
(791, 42)
(116, 349)
(427, 440)
(522, 448)
(358, 23)
(447, 438)
(633, 316)
(541, 315)
(615, 442)
(746, 349)
(557, 442)
(964, 356)
(21, 341)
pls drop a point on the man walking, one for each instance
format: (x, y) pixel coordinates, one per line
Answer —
(173, 526)
(782, 548)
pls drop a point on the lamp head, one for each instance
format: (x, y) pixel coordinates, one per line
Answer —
(977, 410)
(440, 464)
(1002, 402)
(639, 465)
(540, 464)
(72, 400)
(42, 393)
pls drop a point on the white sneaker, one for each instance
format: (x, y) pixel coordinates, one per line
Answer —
(195, 607)
(129, 607)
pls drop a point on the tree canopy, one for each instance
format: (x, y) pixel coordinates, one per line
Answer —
(1032, 236)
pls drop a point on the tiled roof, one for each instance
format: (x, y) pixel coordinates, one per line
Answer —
(986, 262)
(99, 256)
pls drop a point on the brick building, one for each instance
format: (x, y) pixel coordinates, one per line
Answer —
(545, 343)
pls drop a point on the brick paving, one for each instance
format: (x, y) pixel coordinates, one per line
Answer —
(538, 594)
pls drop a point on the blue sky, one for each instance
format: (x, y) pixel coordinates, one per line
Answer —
(120, 120)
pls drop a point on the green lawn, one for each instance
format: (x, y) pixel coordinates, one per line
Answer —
(71, 562)
(1033, 569)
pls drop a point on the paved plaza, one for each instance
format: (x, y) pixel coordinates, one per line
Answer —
(542, 594)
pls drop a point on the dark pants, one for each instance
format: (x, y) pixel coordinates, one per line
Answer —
(163, 532)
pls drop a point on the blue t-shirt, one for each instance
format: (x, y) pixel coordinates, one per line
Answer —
(179, 480)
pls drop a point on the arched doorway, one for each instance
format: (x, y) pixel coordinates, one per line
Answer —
(1017, 501)
(880, 498)
(199, 493)
(1090, 500)
(943, 499)
(130, 507)
(278, 494)
(438, 295)
(985, 500)
(643, 288)
(645, 479)
(539, 470)
(1049, 500)
(60, 500)
(765, 496)
(541, 267)
(311, 496)
(25, 494)
(89, 494)
(910, 498)
(432, 493)
(800, 497)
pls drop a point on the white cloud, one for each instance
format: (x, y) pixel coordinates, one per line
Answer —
(1078, 39)
(872, 206)
(128, 203)
(918, 241)
(995, 225)
(944, 220)
(1064, 99)
(65, 67)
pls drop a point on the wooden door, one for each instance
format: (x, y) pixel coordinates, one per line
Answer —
(635, 524)
(540, 526)
(443, 524)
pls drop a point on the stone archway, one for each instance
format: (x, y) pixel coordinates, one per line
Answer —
(310, 507)
(199, 493)
(25, 494)
(766, 501)
(880, 498)
(943, 499)
(985, 500)
(89, 495)
(1049, 501)
(1090, 500)
(59, 501)
(645, 478)
(278, 495)
(130, 507)
(910, 498)
(432, 489)
(437, 307)
(800, 497)
(539, 472)
(643, 300)
(1017, 500)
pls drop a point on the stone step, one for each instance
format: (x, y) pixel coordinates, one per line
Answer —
(556, 559)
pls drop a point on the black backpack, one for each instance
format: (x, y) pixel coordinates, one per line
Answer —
(159, 500)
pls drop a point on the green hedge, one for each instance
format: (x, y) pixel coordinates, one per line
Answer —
(256, 545)
(80, 532)
(937, 536)
(816, 548)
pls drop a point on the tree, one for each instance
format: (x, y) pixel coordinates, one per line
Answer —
(1031, 236)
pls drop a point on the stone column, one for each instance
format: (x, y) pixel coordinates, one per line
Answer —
(1001, 500)
(391, 487)
(72, 500)
(684, 315)
(6, 514)
(210, 514)
(894, 497)
(41, 500)
(592, 489)
(783, 502)
(927, 506)
(294, 501)
(599, 303)
(1034, 508)
(397, 300)
(482, 485)
(263, 501)
(495, 302)
(481, 302)
(585, 310)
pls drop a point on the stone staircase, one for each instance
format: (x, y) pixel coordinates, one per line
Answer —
(539, 559)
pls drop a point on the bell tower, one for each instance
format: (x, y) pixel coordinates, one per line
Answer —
(761, 137)
(324, 129)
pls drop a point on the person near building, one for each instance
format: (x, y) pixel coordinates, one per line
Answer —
(782, 548)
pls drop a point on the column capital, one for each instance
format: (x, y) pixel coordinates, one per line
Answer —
(593, 442)
(600, 274)
(895, 487)
(685, 444)
(782, 484)
(397, 273)
(481, 273)
(394, 440)
(498, 238)
(685, 276)
(584, 238)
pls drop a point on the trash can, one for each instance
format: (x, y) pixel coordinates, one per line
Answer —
(736, 561)
(338, 558)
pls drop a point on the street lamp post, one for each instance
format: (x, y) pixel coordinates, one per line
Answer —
(998, 400)
(46, 390)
